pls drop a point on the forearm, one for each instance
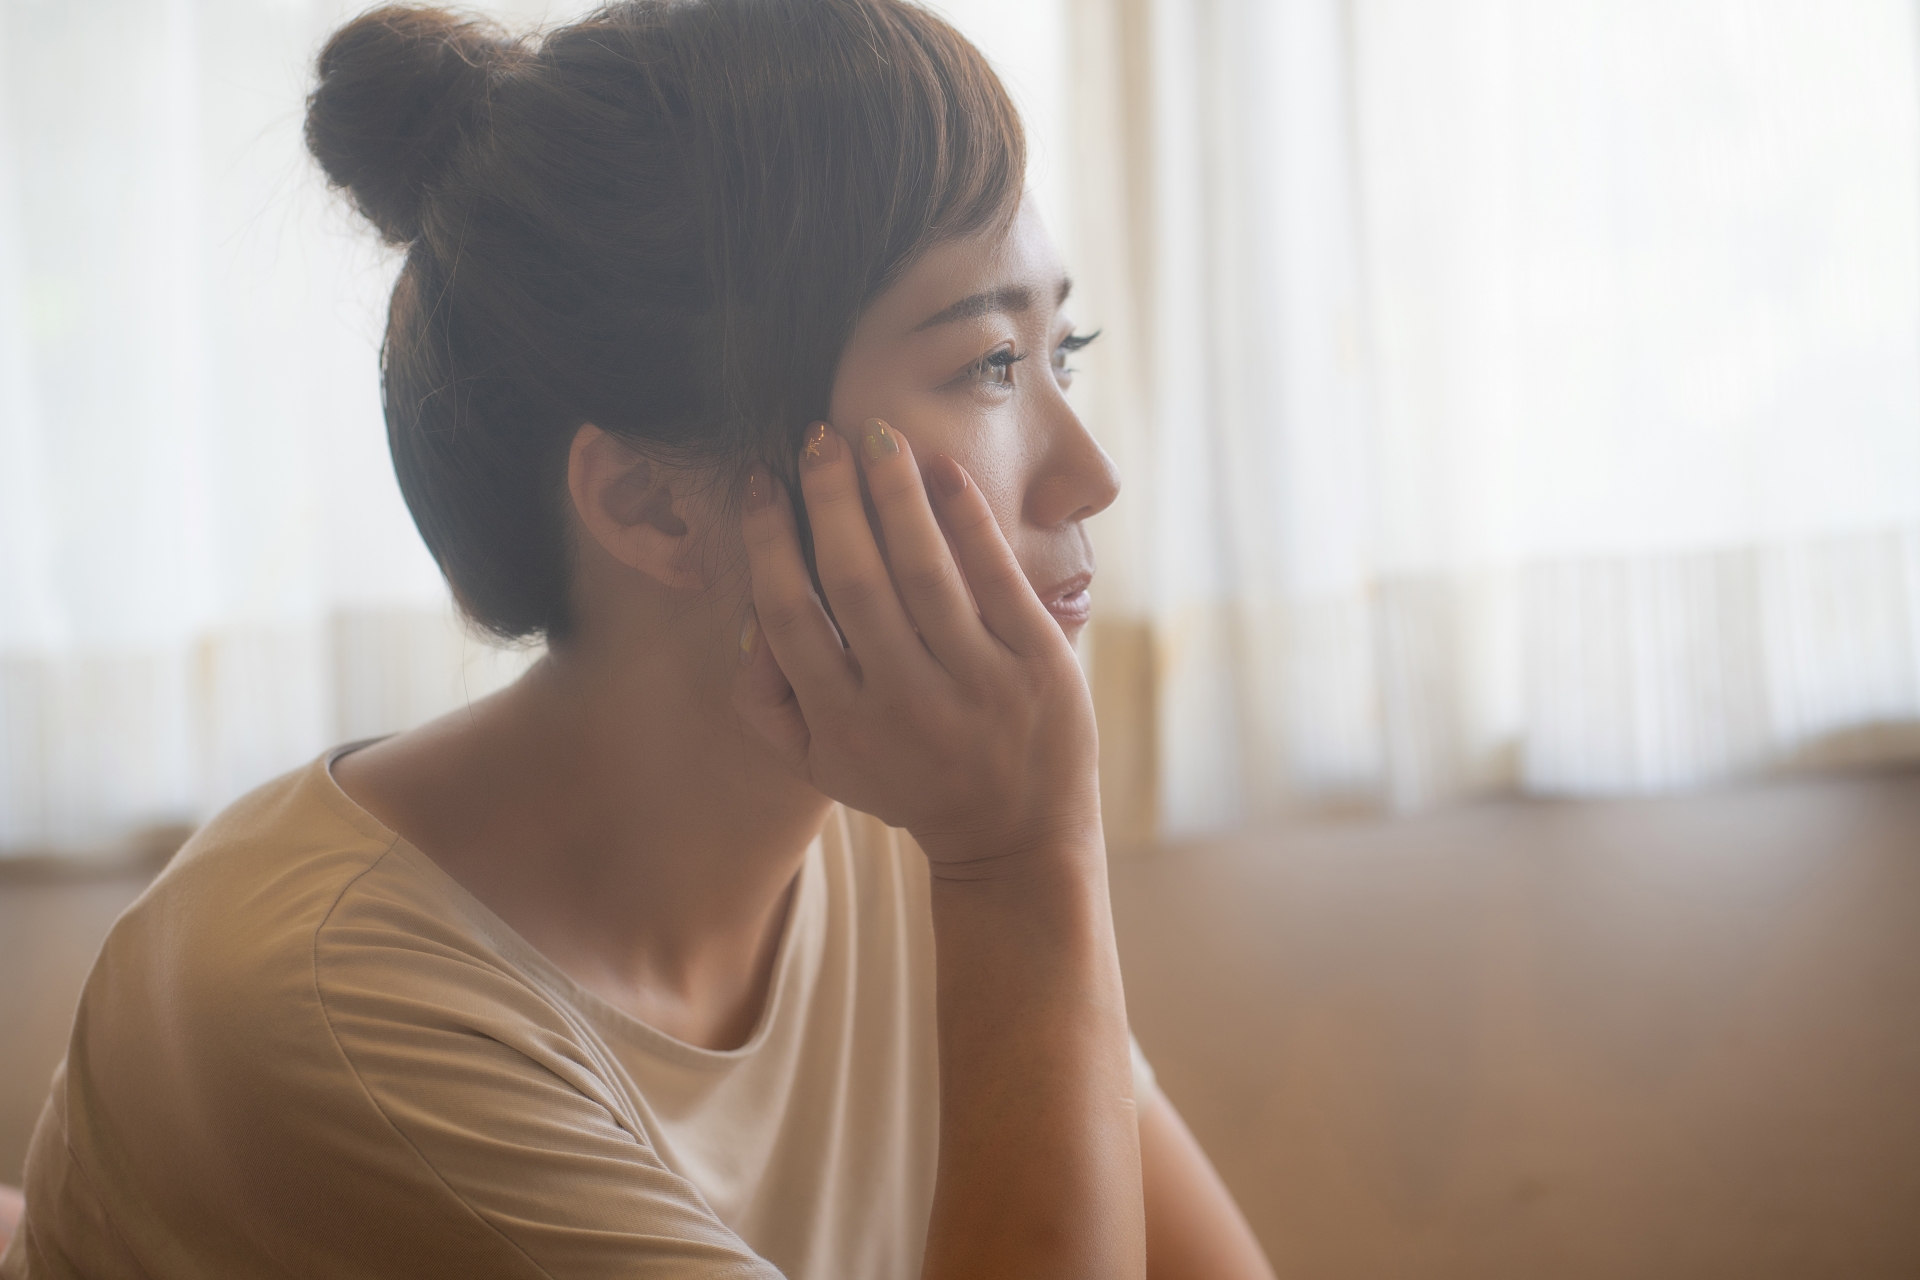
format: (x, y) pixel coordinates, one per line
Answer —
(1039, 1170)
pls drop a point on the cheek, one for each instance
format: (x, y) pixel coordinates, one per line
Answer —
(990, 451)
(999, 483)
(985, 439)
(987, 444)
(997, 463)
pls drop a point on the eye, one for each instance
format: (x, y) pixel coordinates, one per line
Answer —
(995, 369)
(1068, 345)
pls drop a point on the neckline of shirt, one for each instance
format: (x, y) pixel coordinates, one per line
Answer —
(555, 982)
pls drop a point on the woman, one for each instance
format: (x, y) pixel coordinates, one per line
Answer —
(712, 364)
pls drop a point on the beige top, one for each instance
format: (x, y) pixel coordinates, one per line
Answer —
(307, 1051)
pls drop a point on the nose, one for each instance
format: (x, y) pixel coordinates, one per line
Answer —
(1075, 477)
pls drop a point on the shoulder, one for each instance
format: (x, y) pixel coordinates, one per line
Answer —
(204, 1006)
(225, 935)
(300, 1039)
(291, 930)
(204, 1095)
(227, 930)
(411, 974)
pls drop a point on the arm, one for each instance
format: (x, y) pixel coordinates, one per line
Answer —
(12, 1205)
(961, 716)
(1039, 1162)
(1194, 1229)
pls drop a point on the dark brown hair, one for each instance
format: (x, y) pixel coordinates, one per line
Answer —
(663, 219)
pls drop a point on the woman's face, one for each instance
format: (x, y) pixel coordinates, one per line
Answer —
(968, 354)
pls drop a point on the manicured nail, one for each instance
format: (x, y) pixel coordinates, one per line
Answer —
(880, 440)
(821, 446)
(759, 491)
(749, 636)
(947, 476)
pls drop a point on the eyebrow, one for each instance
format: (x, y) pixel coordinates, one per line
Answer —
(1011, 298)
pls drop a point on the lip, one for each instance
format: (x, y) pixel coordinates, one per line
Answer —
(1069, 601)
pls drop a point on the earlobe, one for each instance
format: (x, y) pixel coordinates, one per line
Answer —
(627, 504)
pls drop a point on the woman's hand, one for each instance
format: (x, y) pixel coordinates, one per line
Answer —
(962, 717)
(955, 708)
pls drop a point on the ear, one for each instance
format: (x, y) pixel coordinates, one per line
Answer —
(627, 504)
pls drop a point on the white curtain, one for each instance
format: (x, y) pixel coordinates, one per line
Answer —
(1511, 394)
(206, 572)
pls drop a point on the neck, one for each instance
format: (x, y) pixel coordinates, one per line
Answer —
(613, 811)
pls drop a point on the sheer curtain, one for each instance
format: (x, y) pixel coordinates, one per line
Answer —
(1510, 394)
(206, 571)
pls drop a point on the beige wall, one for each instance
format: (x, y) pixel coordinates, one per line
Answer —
(1674, 1038)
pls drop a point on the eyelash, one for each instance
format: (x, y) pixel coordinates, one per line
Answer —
(1001, 358)
(1068, 345)
(1004, 359)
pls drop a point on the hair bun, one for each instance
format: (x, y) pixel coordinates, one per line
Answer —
(397, 87)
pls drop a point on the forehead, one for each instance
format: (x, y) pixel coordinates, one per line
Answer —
(1022, 254)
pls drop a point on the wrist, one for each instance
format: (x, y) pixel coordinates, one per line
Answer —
(1044, 899)
(1030, 945)
(1063, 847)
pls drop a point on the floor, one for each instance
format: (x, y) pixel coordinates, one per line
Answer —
(1649, 1039)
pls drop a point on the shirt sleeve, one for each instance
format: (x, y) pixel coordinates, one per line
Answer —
(507, 1114)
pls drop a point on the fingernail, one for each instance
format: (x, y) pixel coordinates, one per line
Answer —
(880, 440)
(822, 445)
(759, 491)
(947, 476)
(749, 636)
